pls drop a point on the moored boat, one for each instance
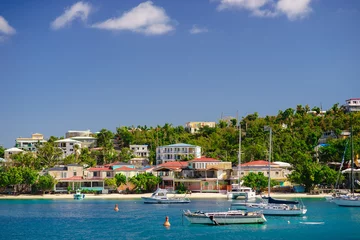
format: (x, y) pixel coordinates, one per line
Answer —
(78, 195)
(160, 196)
(227, 217)
(271, 209)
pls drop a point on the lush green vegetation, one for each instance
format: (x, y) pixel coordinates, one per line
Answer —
(295, 134)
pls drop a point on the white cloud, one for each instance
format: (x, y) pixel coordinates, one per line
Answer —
(78, 10)
(196, 29)
(5, 28)
(145, 18)
(293, 9)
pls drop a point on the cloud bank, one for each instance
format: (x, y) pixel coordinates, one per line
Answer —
(79, 10)
(293, 9)
(146, 18)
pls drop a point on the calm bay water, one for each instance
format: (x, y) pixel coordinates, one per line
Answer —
(96, 219)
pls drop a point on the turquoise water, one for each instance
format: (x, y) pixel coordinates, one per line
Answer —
(96, 219)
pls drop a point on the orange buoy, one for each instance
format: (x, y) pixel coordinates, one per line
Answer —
(167, 223)
(116, 208)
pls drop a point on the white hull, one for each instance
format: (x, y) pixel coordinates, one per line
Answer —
(271, 209)
(220, 218)
(347, 202)
(165, 201)
(244, 195)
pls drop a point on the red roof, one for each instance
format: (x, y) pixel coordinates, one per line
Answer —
(174, 164)
(93, 169)
(205, 159)
(258, 163)
(124, 168)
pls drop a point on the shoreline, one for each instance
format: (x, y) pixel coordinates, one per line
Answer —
(118, 196)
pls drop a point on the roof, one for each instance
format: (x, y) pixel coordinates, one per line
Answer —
(79, 137)
(283, 164)
(124, 168)
(67, 140)
(353, 99)
(74, 165)
(14, 149)
(257, 163)
(205, 159)
(179, 145)
(58, 169)
(173, 165)
(101, 169)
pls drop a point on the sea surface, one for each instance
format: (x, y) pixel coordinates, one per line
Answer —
(96, 219)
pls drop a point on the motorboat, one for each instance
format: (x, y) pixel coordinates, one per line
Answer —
(227, 217)
(241, 192)
(160, 196)
(78, 195)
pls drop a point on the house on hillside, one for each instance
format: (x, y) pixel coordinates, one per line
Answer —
(177, 152)
(30, 144)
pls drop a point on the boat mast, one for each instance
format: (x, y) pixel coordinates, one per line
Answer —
(239, 156)
(269, 162)
(352, 162)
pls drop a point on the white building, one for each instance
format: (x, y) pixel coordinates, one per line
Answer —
(176, 152)
(353, 105)
(76, 133)
(30, 144)
(88, 142)
(141, 155)
(11, 151)
(194, 127)
(67, 146)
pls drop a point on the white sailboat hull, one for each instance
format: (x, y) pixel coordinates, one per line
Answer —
(347, 202)
(165, 200)
(271, 209)
(229, 217)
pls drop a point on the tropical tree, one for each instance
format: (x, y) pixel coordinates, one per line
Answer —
(120, 179)
(2, 151)
(46, 183)
(126, 154)
(257, 181)
(145, 182)
(49, 154)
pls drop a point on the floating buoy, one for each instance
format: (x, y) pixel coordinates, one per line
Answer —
(288, 222)
(167, 223)
(116, 208)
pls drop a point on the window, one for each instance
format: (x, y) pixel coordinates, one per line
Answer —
(108, 174)
(63, 175)
(71, 150)
(71, 144)
(74, 174)
(95, 174)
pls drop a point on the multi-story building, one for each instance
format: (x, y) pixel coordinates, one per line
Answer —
(352, 105)
(68, 146)
(177, 152)
(194, 127)
(75, 133)
(30, 144)
(88, 142)
(141, 155)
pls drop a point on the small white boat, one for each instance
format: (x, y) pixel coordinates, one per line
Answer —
(78, 195)
(160, 196)
(228, 217)
(347, 201)
(241, 192)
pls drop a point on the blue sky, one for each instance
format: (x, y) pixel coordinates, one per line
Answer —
(68, 65)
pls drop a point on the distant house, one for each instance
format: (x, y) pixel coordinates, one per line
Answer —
(176, 152)
(67, 145)
(76, 133)
(11, 151)
(352, 105)
(327, 136)
(278, 172)
(194, 127)
(30, 144)
(141, 155)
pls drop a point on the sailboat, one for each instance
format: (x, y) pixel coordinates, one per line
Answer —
(273, 206)
(349, 200)
(238, 191)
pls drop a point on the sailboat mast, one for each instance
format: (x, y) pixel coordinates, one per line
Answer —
(269, 162)
(352, 161)
(239, 156)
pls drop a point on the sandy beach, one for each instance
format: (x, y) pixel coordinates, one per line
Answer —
(138, 196)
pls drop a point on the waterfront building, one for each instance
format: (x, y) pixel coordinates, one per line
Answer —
(193, 127)
(30, 144)
(177, 152)
(67, 145)
(352, 105)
